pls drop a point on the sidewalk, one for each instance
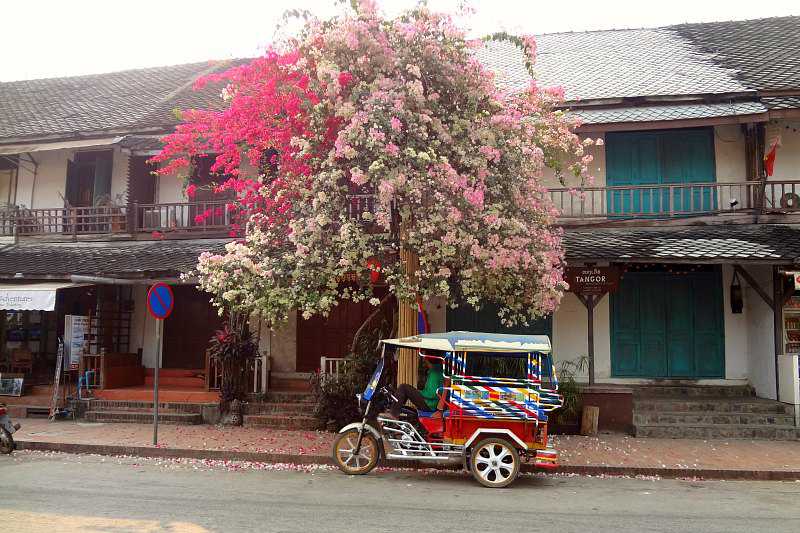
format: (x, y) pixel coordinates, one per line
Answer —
(605, 454)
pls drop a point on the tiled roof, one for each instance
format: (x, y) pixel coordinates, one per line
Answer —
(129, 99)
(695, 59)
(667, 112)
(764, 52)
(759, 242)
(134, 259)
(142, 144)
(782, 102)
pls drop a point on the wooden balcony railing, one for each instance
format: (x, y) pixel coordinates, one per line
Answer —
(678, 200)
(191, 216)
(16, 221)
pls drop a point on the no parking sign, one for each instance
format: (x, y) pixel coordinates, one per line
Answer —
(160, 302)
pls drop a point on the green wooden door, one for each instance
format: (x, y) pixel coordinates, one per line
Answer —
(668, 326)
(466, 318)
(636, 160)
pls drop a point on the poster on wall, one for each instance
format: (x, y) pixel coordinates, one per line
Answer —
(76, 340)
(11, 386)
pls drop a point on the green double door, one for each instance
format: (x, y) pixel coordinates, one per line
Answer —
(658, 172)
(666, 325)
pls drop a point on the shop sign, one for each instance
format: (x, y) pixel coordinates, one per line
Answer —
(76, 335)
(592, 280)
(796, 278)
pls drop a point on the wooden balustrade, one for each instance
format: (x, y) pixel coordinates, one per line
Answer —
(191, 216)
(676, 200)
(20, 221)
(257, 376)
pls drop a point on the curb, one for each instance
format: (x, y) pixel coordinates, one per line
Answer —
(259, 457)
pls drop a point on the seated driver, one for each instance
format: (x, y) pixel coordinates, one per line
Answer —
(426, 399)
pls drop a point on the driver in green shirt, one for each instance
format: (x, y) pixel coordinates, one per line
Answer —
(426, 399)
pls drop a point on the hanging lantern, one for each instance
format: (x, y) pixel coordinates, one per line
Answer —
(737, 302)
(374, 270)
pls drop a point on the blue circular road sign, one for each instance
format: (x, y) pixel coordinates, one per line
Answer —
(160, 301)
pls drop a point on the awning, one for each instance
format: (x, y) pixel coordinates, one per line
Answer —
(10, 149)
(32, 296)
(470, 341)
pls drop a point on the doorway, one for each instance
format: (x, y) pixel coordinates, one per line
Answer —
(668, 325)
(188, 330)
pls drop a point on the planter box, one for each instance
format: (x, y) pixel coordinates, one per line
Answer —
(616, 406)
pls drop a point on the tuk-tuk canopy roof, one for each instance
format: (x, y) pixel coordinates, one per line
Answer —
(468, 341)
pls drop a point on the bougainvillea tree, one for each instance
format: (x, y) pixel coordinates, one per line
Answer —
(362, 135)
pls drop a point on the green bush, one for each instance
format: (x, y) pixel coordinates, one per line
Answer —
(335, 395)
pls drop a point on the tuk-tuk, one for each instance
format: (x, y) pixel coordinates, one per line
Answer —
(497, 390)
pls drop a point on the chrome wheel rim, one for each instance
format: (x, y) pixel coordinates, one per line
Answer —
(494, 463)
(351, 460)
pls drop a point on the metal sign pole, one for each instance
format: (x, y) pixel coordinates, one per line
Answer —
(159, 332)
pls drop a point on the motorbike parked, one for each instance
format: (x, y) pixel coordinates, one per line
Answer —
(7, 429)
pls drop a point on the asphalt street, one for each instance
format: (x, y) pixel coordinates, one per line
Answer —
(65, 493)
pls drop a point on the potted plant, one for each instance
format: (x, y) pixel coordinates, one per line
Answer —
(232, 347)
(567, 419)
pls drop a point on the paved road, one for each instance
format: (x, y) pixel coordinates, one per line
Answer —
(64, 493)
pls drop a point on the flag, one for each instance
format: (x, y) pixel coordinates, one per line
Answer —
(422, 319)
(769, 159)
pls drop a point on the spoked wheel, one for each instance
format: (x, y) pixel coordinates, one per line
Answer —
(494, 463)
(6, 441)
(353, 463)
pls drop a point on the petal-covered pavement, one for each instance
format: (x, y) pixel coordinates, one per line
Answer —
(612, 450)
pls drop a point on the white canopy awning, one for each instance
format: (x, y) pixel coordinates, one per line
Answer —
(9, 149)
(32, 296)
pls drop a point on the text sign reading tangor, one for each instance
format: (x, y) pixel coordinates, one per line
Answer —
(160, 301)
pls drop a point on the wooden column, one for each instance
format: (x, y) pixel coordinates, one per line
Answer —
(407, 323)
(590, 301)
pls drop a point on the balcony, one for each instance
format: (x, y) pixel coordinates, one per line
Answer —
(678, 201)
(64, 223)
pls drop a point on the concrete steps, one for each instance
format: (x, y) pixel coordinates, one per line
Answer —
(280, 421)
(718, 431)
(145, 417)
(279, 408)
(110, 411)
(710, 412)
(283, 409)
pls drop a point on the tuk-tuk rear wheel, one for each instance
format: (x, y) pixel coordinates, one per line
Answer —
(6, 441)
(494, 462)
(347, 460)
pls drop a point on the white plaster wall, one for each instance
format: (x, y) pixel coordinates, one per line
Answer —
(787, 158)
(570, 334)
(729, 153)
(143, 328)
(170, 189)
(736, 330)
(760, 339)
(48, 185)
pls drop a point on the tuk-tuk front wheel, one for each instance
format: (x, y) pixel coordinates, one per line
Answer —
(494, 462)
(348, 460)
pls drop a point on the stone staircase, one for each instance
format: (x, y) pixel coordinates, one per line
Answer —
(710, 412)
(292, 409)
(142, 412)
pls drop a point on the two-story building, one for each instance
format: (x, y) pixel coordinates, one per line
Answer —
(702, 232)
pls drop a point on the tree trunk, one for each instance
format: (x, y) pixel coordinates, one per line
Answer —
(407, 323)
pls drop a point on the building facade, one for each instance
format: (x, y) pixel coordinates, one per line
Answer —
(703, 232)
